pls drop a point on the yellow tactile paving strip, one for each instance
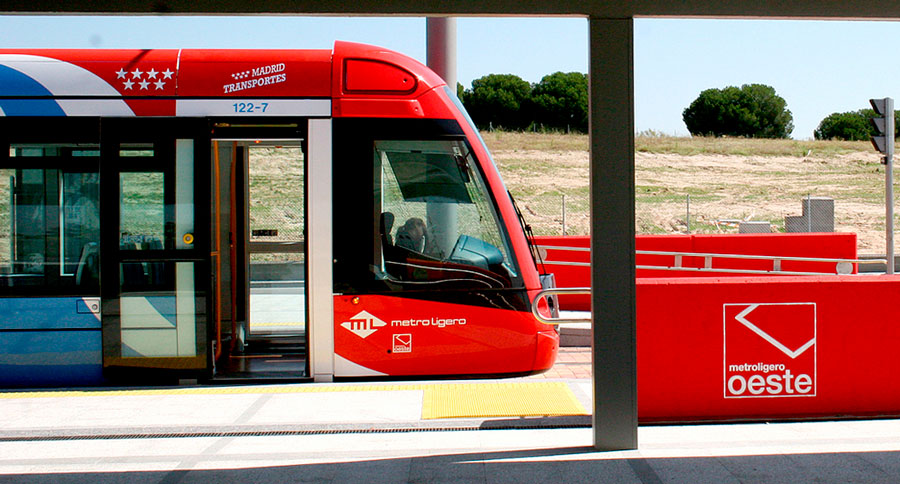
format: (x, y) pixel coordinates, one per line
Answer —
(500, 400)
(440, 400)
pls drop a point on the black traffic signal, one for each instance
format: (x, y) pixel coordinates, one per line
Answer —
(883, 141)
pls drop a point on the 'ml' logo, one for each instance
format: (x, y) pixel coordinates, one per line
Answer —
(363, 324)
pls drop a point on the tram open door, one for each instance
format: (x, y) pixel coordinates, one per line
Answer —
(260, 249)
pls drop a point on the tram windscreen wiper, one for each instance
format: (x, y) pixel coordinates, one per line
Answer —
(462, 164)
(529, 235)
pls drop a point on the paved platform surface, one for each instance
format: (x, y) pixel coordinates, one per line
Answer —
(286, 433)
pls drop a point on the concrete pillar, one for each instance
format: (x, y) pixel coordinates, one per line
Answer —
(442, 218)
(441, 48)
(612, 233)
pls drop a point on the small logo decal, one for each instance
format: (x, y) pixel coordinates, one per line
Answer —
(403, 343)
(363, 324)
(256, 77)
(136, 77)
(770, 350)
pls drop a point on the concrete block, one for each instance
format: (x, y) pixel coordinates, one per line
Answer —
(818, 216)
(820, 211)
(754, 227)
(795, 223)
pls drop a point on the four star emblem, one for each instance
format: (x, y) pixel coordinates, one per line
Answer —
(144, 79)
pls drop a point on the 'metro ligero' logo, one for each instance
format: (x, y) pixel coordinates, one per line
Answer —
(770, 350)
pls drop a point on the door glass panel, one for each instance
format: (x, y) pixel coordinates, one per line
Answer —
(184, 193)
(276, 226)
(142, 210)
(158, 309)
(155, 311)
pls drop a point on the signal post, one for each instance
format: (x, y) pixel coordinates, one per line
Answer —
(883, 141)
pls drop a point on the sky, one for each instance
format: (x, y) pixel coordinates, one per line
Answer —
(818, 67)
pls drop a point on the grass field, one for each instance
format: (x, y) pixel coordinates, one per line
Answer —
(727, 179)
(651, 142)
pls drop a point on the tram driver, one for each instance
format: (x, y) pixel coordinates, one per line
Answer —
(412, 235)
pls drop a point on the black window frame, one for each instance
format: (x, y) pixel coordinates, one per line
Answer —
(51, 131)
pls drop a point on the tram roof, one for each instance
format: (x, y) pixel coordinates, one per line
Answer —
(350, 70)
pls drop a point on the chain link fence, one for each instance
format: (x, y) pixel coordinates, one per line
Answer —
(557, 214)
(276, 205)
(672, 212)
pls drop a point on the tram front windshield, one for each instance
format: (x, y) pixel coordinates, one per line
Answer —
(438, 221)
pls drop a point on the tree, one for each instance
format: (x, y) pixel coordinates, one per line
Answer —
(753, 111)
(560, 101)
(851, 126)
(497, 100)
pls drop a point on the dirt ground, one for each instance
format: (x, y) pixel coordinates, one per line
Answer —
(723, 189)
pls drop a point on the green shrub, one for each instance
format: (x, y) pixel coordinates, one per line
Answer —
(751, 111)
(560, 101)
(498, 100)
(850, 126)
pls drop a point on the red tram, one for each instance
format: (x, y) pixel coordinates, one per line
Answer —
(232, 214)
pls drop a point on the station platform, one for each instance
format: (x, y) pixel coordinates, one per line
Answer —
(535, 429)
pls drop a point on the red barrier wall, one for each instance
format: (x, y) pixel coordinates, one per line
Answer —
(818, 245)
(736, 348)
(767, 347)
(814, 245)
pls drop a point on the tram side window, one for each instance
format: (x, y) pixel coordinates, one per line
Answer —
(49, 219)
(436, 220)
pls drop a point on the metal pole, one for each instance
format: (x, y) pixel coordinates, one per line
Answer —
(887, 110)
(564, 215)
(883, 141)
(889, 204)
(688, 217)
(809, 212)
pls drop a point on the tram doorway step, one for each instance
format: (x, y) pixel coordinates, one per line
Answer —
(275, 344)
(271, 357)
